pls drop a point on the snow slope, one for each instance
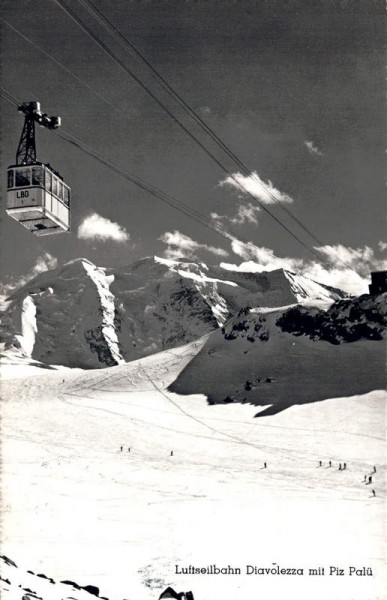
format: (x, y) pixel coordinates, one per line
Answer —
(15, 365)
(283, 357)
(77, 508)
(80, 315)
(275, 288)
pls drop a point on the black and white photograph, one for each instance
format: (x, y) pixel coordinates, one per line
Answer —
(193, 286)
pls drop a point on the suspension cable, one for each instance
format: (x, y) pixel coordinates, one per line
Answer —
(154, 191)
(110, 28)
(124, 67)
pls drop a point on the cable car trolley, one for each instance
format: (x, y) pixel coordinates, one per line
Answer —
(37, 196)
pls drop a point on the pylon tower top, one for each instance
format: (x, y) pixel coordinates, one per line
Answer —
(26, 151)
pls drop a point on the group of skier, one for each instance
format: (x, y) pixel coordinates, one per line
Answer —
(368, 480)
(342, 467)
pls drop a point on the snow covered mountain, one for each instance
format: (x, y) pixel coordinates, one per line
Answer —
(346, 320)
(81, 315)
(279, 358)
(273, 289)
(66, 316)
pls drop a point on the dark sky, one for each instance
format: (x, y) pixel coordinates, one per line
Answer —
(267, 76)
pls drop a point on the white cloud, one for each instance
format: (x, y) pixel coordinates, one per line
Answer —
(254, 185)
(182, 246)
(382, 246)
(351, 267)
(250, 266)
(258, 258)
(245, 214)
(348, 268)
(359, 259)
(344, 279)
(312, 148)
(95, 227)
(44, 262)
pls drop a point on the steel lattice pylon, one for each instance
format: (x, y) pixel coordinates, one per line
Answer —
(26, 151)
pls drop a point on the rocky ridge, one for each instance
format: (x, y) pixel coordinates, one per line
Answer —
(81, 315)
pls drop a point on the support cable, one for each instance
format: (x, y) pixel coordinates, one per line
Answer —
(157, 193)
(110, 28)
(122, 65)
(154, 191)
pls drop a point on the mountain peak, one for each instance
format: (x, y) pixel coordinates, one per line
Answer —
(82, 315)
(76, 261)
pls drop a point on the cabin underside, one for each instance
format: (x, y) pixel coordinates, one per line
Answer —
(37, 220)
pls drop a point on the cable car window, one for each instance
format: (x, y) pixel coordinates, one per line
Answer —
(37, 176)
(22, 177)
(54, 185)
(10, 179)
(48, 181)
(60, 190)
(66, 195)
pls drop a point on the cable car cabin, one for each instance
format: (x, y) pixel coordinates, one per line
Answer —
(38, 198)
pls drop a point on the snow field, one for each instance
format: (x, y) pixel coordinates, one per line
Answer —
(78, 508)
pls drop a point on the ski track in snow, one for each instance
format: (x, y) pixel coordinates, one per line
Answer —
(123, 520)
